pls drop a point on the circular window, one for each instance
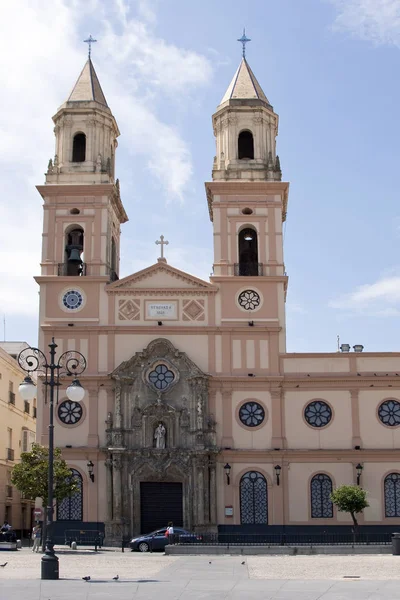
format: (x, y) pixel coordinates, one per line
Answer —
(389, 413)
(249, 299)
(161, 377)
(318, 413)
(251, 414)
(72, 299)
(70, 412)
(247, 211)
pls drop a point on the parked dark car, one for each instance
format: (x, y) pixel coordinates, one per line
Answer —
(157, 540)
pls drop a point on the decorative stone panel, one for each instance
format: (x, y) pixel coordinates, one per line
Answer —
(128, 310)
(193, 310)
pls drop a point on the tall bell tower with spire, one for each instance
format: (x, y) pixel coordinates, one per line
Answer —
(83, 209)
(247, 204)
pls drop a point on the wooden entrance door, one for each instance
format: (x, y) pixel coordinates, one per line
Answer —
(160, 502)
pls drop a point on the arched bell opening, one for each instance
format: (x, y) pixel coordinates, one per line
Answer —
(245, 145)
(79, 148)
(74, 245)
(113, 261)
(248, 252)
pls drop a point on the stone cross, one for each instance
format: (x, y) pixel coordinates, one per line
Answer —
(162, 243)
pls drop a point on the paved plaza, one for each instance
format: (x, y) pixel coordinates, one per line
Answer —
(153, 576)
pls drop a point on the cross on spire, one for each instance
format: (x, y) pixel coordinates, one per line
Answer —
(162, 243)
(90, 41)
(243, 40)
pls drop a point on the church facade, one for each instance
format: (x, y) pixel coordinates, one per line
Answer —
(194, 411)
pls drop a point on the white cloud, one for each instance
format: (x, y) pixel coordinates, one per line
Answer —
(380, 299)
(137, 70)
(377, 21)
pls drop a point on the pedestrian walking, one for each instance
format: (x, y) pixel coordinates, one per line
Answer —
(36, 534)
(170, 533)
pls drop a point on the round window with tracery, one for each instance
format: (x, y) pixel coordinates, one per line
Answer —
(251, 414)
(318, 413)
(389, 413)
(161, 377)
(249, 299)
(70, 412)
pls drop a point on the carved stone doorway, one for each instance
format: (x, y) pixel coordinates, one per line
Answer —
(160, 502)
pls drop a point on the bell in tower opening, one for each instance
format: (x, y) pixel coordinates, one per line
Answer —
(73, 251)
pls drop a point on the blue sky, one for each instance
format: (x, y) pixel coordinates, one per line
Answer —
(329, 67)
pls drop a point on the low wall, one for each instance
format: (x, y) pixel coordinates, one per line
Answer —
(186, 550)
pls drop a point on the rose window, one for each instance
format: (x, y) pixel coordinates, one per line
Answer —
(389, 413)
(251, 414)
(70, 412)
(318, 413)
(249, 300)
(161, 377)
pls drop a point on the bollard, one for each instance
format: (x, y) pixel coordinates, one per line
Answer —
(73, 545)
(396, 544)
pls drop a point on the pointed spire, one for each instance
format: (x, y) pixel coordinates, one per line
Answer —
(87, 87)
(244, 86)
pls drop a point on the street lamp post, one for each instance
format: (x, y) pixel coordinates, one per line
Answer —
(69, 363)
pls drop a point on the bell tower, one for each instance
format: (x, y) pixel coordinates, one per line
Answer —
(245, 127)
(247, 203)
(82, 205)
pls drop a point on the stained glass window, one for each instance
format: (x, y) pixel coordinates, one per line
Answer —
(70, 412)
(253, 499)
(318, 413)
(251, 414)
(71, 508)
(392, 495)
(321, 503)
(389, 413)
(161, 377)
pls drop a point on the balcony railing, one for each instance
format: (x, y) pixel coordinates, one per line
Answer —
(27, 408)
(11, 398)
(249, 269)
(63, 270)
(10, 454)
(9, 491)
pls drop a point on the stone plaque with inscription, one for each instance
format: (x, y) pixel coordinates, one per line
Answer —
(161, 310)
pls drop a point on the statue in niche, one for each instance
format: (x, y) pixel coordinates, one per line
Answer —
(109, 420)
(137, 413)
(185, 418)
(199, 413)
(99, 163)
(159, 436)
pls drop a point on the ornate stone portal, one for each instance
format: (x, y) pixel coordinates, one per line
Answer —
(160, 430)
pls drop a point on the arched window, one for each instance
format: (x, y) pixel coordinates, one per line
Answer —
(392, 495)
(73, 251)
(79, 148)
(113, 274)
(253, 499)
(248, 252)
(321, 503)
(71, 508)
(245, 145)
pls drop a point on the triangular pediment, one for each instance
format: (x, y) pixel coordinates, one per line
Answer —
(161, 276)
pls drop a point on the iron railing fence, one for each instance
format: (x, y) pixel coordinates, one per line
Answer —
(84, 537)
(286, 539)
(62, 269)
(248, 269)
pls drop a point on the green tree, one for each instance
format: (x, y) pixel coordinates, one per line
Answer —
(351, 499)
(30, 476)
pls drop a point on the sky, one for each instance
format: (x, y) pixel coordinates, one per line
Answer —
(329, 68)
